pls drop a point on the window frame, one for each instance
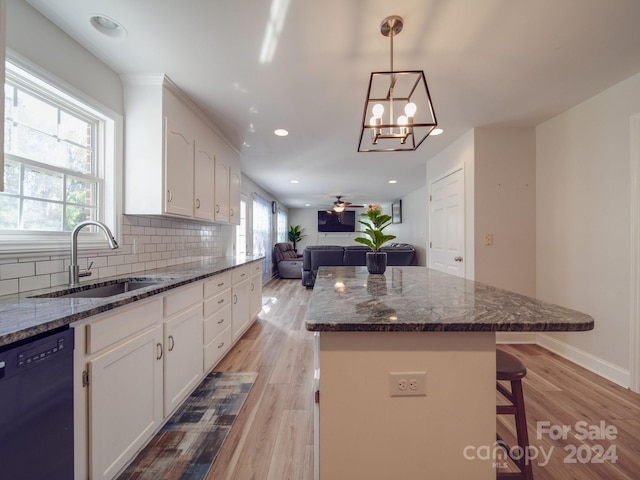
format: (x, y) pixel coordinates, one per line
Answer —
(109, 148)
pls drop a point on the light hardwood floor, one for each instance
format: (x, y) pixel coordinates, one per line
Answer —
(272, 438)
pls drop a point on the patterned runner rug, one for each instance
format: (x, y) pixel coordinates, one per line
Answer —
(189, 442)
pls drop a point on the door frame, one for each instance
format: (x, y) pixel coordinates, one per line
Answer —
(634, 310)
(449, 172)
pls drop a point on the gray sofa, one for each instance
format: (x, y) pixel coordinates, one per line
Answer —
(313, 257)
(287, 261)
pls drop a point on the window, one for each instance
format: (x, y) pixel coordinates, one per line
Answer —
(241, 230)
(283, 229)
(262, 243)
(59, 164)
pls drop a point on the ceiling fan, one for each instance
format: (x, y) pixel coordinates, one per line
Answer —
(340, 205)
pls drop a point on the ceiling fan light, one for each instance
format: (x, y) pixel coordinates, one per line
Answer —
(338, 208)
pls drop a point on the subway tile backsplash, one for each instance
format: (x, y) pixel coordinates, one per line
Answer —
(146, 243)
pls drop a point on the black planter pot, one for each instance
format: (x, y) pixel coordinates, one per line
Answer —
(376, 262)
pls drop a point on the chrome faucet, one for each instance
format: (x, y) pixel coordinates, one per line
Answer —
(74, 268)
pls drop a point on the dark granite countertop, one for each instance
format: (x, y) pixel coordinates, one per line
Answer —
(23, 316)
(348, 299)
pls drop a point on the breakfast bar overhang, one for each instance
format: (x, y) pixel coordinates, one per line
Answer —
(413, 321)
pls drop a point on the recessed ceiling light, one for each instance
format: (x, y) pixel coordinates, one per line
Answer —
(294, 181)
(393, 181)
(107, 26)
(281, 132)
(307, 204)
(436, 131)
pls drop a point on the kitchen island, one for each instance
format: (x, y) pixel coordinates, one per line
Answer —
(435, 332)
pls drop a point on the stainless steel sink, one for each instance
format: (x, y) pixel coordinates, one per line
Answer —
(101, 290)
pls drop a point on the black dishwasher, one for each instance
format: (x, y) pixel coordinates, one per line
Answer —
(36, 408)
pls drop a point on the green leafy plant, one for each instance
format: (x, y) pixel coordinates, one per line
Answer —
(295, 234)
(374, 228)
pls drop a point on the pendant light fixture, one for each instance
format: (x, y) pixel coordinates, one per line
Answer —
(398, 113)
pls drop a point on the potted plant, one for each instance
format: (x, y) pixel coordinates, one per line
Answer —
(295, 235)
(377, 222)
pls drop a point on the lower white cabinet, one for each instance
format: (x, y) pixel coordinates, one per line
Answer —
(182, 357)
(136, 364)
(125, 401)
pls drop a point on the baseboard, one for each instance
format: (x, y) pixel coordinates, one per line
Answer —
(516, 337)
(592, 363)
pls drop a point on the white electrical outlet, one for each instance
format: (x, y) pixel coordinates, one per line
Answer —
(407, 384)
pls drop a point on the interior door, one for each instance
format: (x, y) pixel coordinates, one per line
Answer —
(447, 231)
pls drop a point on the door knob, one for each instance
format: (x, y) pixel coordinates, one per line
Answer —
(457, 259)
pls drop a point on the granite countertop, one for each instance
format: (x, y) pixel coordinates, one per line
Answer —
(347, 299)
(23, 316)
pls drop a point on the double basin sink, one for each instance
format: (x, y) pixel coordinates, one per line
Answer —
(104, 289)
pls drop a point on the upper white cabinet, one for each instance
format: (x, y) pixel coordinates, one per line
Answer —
(2, 55)
(176, 162)
(235, 181)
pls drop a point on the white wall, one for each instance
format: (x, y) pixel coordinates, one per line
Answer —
(459, 154)
(505, 196)
(583, 223)
(414, 226)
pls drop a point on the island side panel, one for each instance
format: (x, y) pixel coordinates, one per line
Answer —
(366, 433)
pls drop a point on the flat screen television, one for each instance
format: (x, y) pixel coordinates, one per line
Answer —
(330, 221)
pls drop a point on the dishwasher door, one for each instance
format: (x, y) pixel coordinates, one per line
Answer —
(36, 409)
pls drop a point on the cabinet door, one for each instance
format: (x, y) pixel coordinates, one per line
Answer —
(255, 295)
(222, 191)
(178, 173)
(235, 185)
(183, 356)
(204, 181)
(240, 310)
(125, 401)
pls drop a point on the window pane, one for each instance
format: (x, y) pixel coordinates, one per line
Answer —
(74, 129)
(81, 192)
(9, 212)
(37, 215)
(76, 214)
(42, 184)
(35, 113)
(25, 142)
(11, 177)
(74, 157)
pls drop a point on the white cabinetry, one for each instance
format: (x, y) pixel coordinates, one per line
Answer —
(2, 55)
(182, 343)
(217, 319)
(204, 164)
(235, 182)
(222, 191)
(179, 165)
(176, 162)
(255, 290)
(125, 385)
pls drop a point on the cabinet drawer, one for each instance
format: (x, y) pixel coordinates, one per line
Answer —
(216, 349)
(255, 267)
(113, 328)
(183, 298)
(216, 323)
(216, 284)
(216, 303)
(241, 273)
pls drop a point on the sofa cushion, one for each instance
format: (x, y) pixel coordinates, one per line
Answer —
(355, 255)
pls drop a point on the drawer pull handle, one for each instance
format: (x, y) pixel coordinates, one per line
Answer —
(159, 350)
(220, 284)
(221, 321)
(170, 195)
(220, 301)
(217, 208)
(221, 345)
(197, 203)
(172, 343)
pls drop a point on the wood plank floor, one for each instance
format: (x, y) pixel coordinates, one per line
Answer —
(273, 436)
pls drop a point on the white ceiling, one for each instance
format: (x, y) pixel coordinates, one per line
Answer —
(487, 62)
